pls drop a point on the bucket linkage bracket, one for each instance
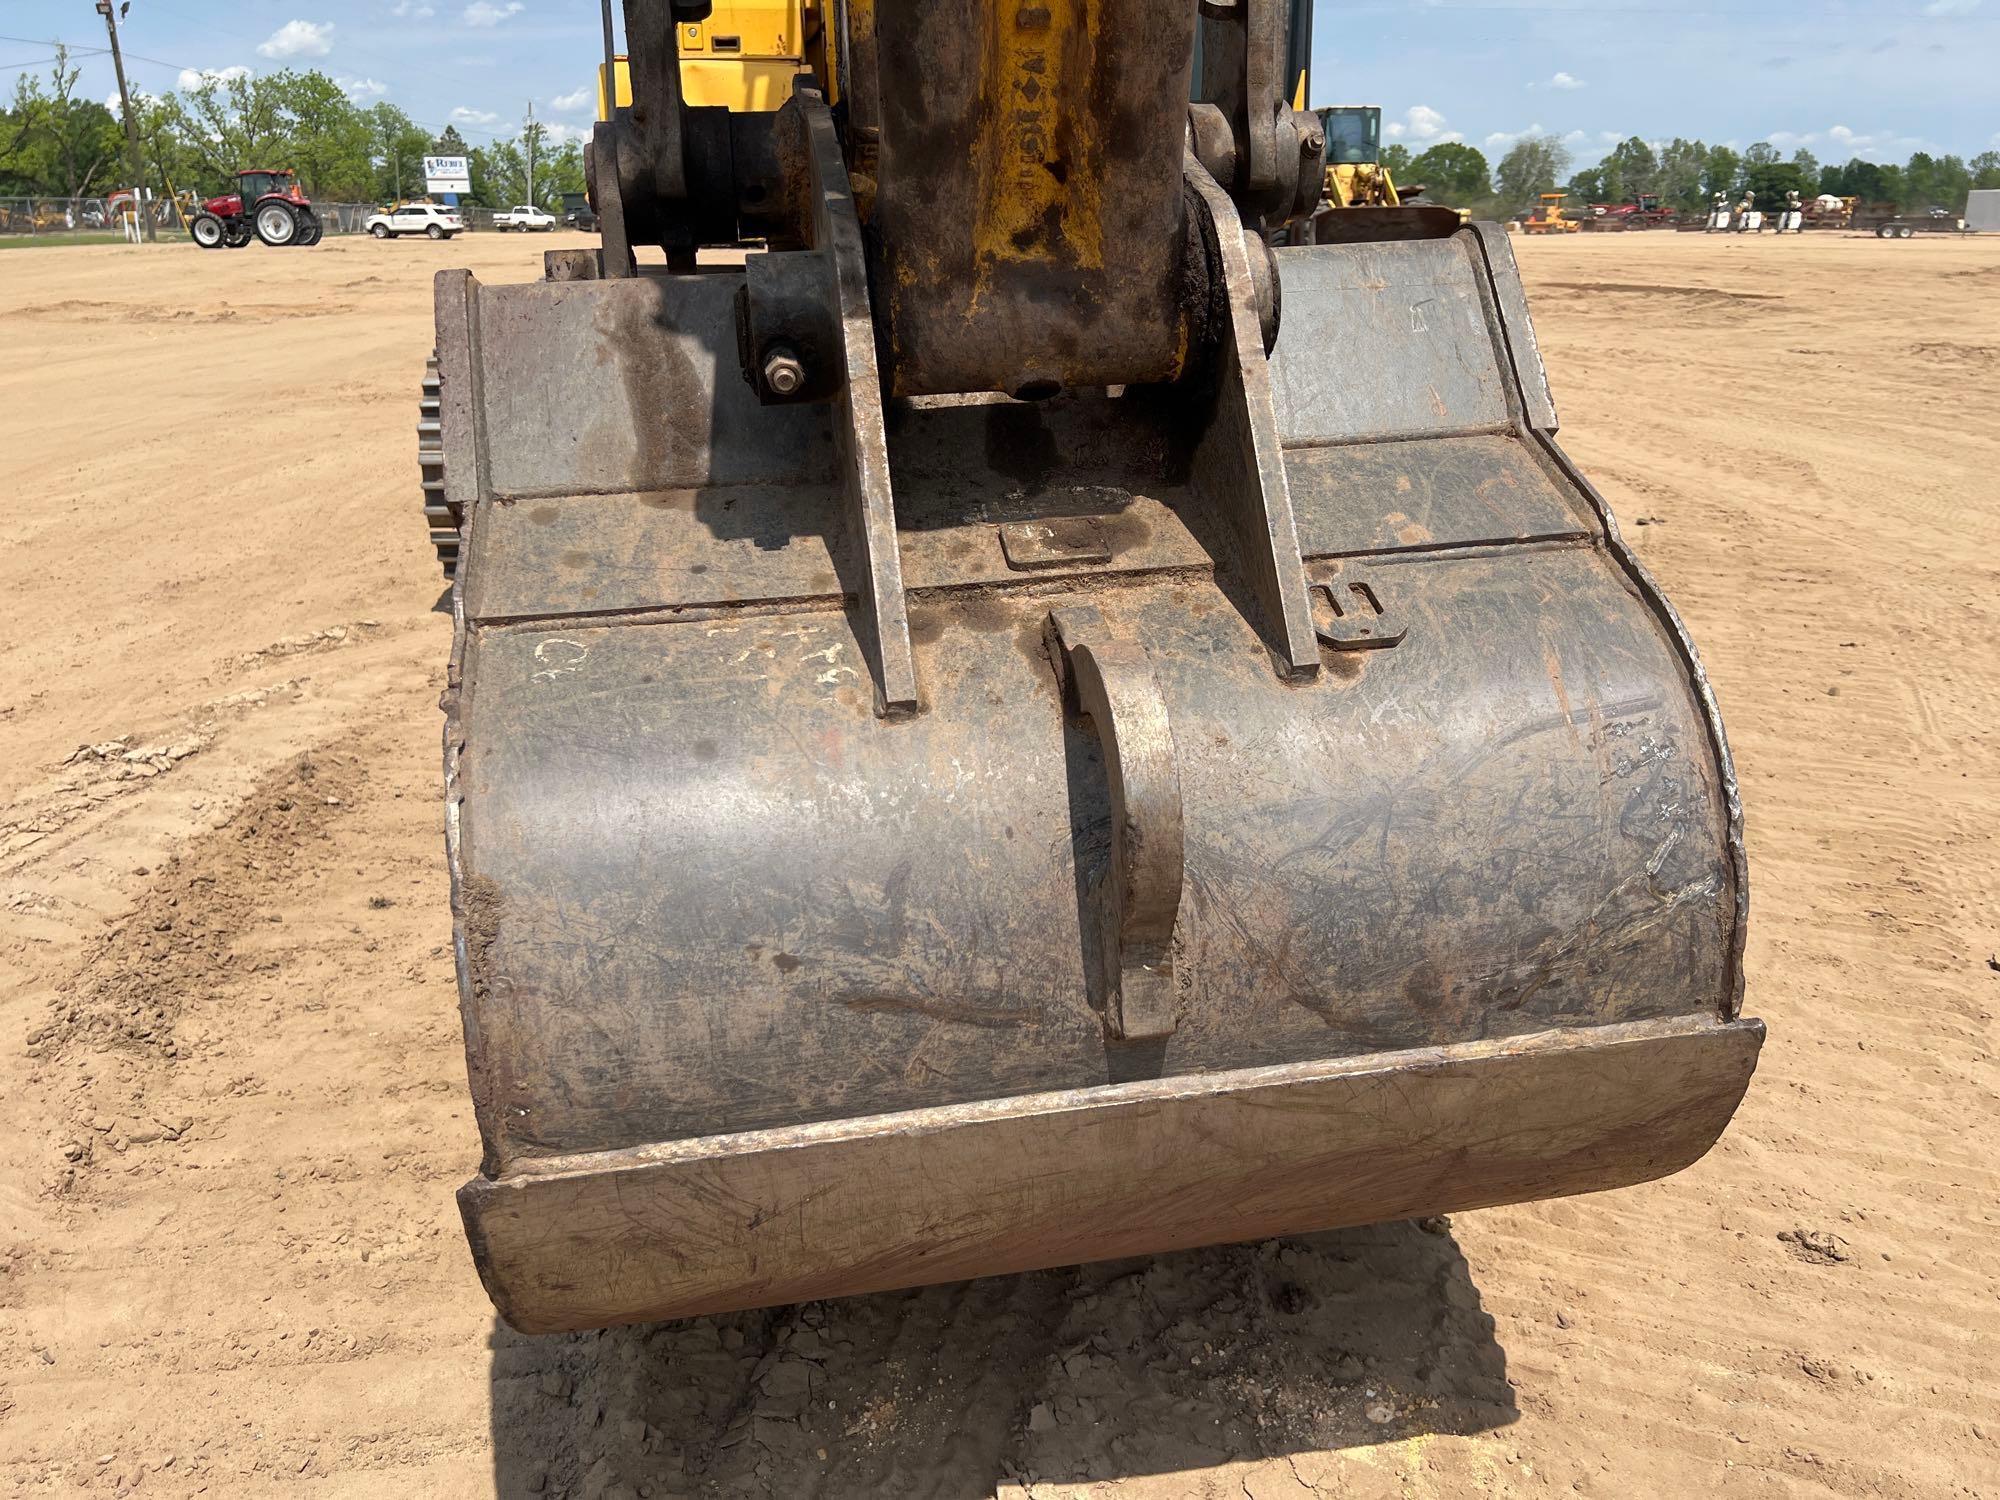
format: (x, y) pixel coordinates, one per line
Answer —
(807, 334)
(1239, 460)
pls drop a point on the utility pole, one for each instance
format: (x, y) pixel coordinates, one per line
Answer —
(531, 153)
(131, 122)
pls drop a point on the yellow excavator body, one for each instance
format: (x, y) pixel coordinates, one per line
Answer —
(743, 56)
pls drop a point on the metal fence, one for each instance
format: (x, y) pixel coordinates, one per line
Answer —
(97, 217)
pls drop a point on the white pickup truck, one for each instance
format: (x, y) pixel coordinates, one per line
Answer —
(524, 216)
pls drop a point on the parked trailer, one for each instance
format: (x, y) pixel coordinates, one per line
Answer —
(1895, 226)
(1982, 211)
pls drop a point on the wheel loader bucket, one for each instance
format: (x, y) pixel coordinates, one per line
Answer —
(1164, 880)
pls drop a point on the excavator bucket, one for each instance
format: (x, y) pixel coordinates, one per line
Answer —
(1248, 801)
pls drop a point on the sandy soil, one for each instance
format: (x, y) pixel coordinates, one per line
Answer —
(229, 1057)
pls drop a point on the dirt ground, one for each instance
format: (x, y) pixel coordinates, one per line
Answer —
(229, 1056)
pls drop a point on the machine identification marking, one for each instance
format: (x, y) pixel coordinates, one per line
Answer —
(557, 657)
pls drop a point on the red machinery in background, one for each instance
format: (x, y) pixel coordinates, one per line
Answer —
(267, 205)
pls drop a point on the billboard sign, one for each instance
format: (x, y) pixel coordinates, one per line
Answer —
(447, 174)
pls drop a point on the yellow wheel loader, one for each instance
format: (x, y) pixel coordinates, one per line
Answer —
(1547, 217)
(1359, 199)
(1023, 724)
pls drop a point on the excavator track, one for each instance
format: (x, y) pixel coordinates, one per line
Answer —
(440, 515)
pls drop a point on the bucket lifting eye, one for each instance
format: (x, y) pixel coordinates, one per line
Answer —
(1348, 615)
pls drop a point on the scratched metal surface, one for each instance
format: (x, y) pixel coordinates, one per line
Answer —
(725, 897)
(703, 889)
(1028, 223)
(1384, 340)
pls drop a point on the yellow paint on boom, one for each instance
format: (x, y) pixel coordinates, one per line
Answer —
(1038, 173)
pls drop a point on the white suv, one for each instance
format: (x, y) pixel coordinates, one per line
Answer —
(416, 218)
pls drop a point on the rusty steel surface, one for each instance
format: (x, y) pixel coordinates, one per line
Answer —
(703, 893)
(857, 1205)
(1028, 215)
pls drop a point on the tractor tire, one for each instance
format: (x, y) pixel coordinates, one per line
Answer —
(208, 231)
(238, 238)
(380, 231)
(435, 232)
(275, 223)
(310, 228)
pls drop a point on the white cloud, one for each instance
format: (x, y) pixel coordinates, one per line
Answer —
(412, 9)
(1500, 140)
(299, 39)
(1566, 81)
(359, 89)
(194, 78)
(559, 134)
(1842, 141)
(587, 95)
(486, 13)
(1422, 126)
(1951, 7)
(464, 116)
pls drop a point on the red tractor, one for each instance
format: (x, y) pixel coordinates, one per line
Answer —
(1644, 211)
(267, 205)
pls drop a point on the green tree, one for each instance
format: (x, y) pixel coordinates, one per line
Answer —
(1720, 173)
(500, 171)
(59, 144)
(1396, 157)
(1452, 172)
(1588, 184)
(1985, 169)
(561, 173)
(1769, 181)
(1629, 169)
(1873, 183)
(1936, 182)
(399, 146)
(331, 141)
(230, 124)
(1763, 154)
(1678, 180)
(1532, 166)
(1807, 163)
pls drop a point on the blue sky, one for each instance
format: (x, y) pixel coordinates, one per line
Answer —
(1873, 78)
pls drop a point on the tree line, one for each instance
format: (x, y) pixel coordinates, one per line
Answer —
(56, 144)
(1682, 174)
